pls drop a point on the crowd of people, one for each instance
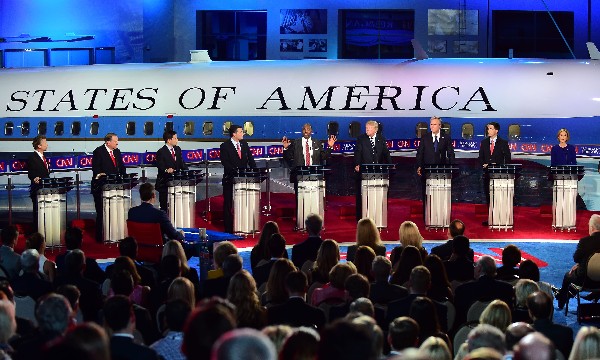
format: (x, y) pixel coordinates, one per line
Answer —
(415, 305)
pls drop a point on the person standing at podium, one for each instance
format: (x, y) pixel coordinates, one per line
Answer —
(106, 160)
(371, 148)
(37, 169)
(493, 150)
(168, 160)
(563, 153)
(235, 153)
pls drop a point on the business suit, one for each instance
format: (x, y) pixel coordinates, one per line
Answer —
(102, 163)
(586, 247)
(306, 250)
(231, 161)
(401, 307)
(560, 335)
(444, 251)
(364, 154)
(123, 348)
(10, 261)
(296, 312)
(500, 156)
(483, 289)
(294, 155)
(164, 161)
(36, 169)
(147, 213)
(382, 292)
(428, 155)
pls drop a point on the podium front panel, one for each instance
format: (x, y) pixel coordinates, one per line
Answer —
(438, 200)
(502, 190)
(374, 190)
(564, 202)
(181, 202)
(116, 202)
(246, 204)
(311, 199)
(51, 220)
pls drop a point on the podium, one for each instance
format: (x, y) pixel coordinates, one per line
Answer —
(116, 202)
(374, 191)
(246, 199)
(311, 192)
(438, 199)
(502, 192)
(564, 195)
(51, 193)
(181, 197)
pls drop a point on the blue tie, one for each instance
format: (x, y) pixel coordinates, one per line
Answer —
(435, 143)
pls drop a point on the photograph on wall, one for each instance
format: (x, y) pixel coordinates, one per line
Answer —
(303, 21)
(452, 22)
(437, 46)
(291, 45)
(466, 47)
(317, 45)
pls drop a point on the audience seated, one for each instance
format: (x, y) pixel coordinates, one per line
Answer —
(302, 343)
(409, 236)
(485, 336)
(242, 293)
(375, 333)
(440, 289)
(260, 251)
(444, 251)
(334, 292)
(435, 348)
(367, 234)
(459, 267)
(587, 344)
(218, 286)
(89, 338)
(129, 247)
(47, 267)
(307, 250)
(409, 259)
(140, 293)
(523, 288)
(276, 292)
(511, 257)
(9, 260)
(176, 314)
(529, 270)
(540, 309)
(403, 333)
(344, 339)
(363, 260)
(534, 346)
(174, 247)
(276, 248)
(169, 271)
(74, 240)
(424, 312)
(244, 344)
(31, 283)
(328, 256)
(357, 287)
(8, 327)
(224, 249)
(382, 292)
(515, 332)
(278, 334)
(497, 314)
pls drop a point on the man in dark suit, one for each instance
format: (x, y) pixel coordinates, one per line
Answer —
(460, 266)
(147, 213)
(74, 240)
(586, 247)
(371, 148)
(235, 153)
(120, 318)
(307, 250)
(492, 150)
(276, 246)
(382, 292)
(540, 309)
(37, 169)
(444, 251)
(295, 311)
(106, 160)
(168, 160)
(31, 283)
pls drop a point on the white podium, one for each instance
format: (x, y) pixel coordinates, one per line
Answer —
(311, 193)
(564, 196)
(51, 195)
(116, 202)
(181, 190)
(438, 199)
(374, 191)
(246, 200)
(502, 192)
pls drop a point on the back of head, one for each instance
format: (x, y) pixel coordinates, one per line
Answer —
(117, 311)
(9, 235)
(8, 323)
(529, 270)
(224, 249)
(540, 305)
(381, 268)
(53, 314)
(523, 288)
(296, 282)
(403, 333)
(434, 348)
(89, 337)
(456, 228)
(357, 286)
(128, 247)
(511, 256)
(170, 266)
(409, 235)
(73, 238)
(30, 260)
(176, 314)
(460, 245)
(313, 224)
(35, 241)
(485, 335)
(497, 314)
(278, 334)
(515, 332)
(71, 293)
(344, 340)
(302, 344)
(245, 343)
(276, 245)
(205, 325)
(339, 273)
(420, 279)
(232, 264)
(487, 266)
(146, 191)
(364, 306)
(587, 344)
(74, 262)
(122, 283)
(594, 222)
(535, 346)
(183, 289)
(425, 314)
(367, 233)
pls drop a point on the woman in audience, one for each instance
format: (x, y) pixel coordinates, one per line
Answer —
(423, 311)
(242, 293)
(278, 334)
(302, 344)
(183, 289)
(409, 258)
(511, 257)
(523, 288)
(529, 270)
(334, 291)
(260, 251)
(328, 256)
(440, 289)
(409, 236)
(363, 260)
(434, 348)
(47, 267)
(276, 292)
(587, 344)
(173, 247)
(497, 314)
(366, 235)
(140, 293)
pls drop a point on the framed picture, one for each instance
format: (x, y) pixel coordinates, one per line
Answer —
(291, 45)
(317, 45)
(303, 21)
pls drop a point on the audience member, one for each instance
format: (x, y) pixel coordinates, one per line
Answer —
(47, 267)
(403, 333)
(367, 234)
(529, 270)
(511, 257)
(260, 251)
(409, 259)
(459, 267)
(363, 260)
(346, 340)
(89, 338)
(278, 334)
(434, 348)
(174, 247)
(534, 346)
(74, 240)
(409, 236)
(9, 260)
(170, 269)
(169, 347)
(523, 288)
(374, 331)
(515, 332)
(182, 289)
(140, 293)
(307, 250)
(328, 256)
(587, 344)
(218, 286)
(334, 290)
(382, 292)
(25, 327)
(486, 336)
(129, 247)
(357, 287)
(440, 289)
(362, 306)
(276, 292)
(497, 314)
(72, 294)
(31, 283)
(540, 309)
(221, 252)
(243, 344)
(302, 344)
(8, 327)
(242, 293)
(445, 250)
(424, 312)
(276, 248)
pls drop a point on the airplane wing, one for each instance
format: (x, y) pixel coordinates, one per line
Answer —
(420, 54)
(593, 50)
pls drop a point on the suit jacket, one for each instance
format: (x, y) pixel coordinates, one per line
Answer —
(296, 312)
(382, 292)
(351, 252)
(164, 161)
(501, 153)
(92, 270)
(10, 261)
(560, 335)
(426, 154)
(261, 273)
(306, 250)
(36, 168)
(401, 307)
(444, 251)
(231, 161)
(90, 300)
(123, 348)
(586, 247)
(364, 155)
(294, 155)
(461, 269)
(147, 213)
(32, 285)
(102, 163)
(485, 288)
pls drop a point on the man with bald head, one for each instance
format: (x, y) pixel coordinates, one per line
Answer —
(540, 310)
(535, 346)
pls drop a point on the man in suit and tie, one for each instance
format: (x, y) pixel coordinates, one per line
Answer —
(307, 250)
(37, 169)
(106, 160)
(492, 150)
(371, 148)
(235, 153)
(147, 213)
(168, 160)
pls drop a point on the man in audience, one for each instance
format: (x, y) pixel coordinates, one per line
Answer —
(486, 336)
(74, 240)
(120, 319)
(244, 343)
(169, 347)
(485, 287)
(9, 260)
(222, 251)
(540, 310)
(31, 283)
(459, 267)
(535, 346)
(307, 250)
(382, 292)
(515, 332)
(8, 327)
(129, 247)
(147, 213)
(444, 251)
(276, 247)
(403, 333)
(343, 339)
(586, 247)
(295, 311)
(218, 286)
(357, 286)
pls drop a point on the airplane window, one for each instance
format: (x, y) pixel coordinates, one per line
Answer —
(207, 128)
(8, 128)
(333, 128)
(148, 128)
(354, 129)
(248, 128)
(421, 129)
(130, 128)
(168, 125)
(25, 128)
(42, 128)
(188, 128)
(59, 128)
(467, 131)
(447, 129)
(514, 131)
(76, 128)
(226, 126)
(379, 128)
(94, 128)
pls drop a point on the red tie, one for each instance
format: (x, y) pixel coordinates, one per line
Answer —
(307, 155)
(45, 163)
(173, 153)
(491, 147)
(239, 150)
(112, 157)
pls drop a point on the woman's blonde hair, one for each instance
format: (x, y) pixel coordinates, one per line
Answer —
(243, 294)
(523, 288)
(497, 314)
(328, 256)
(409, 235)
(566, 132)
(434, 348)
(587, 344)
(182, 288)
(174, 247)
(367, 233)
